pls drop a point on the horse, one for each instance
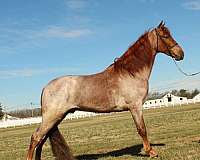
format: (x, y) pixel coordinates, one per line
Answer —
(122, 86)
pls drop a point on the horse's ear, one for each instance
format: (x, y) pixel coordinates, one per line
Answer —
(161, 24)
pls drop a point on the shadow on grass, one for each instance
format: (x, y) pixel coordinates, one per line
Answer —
(133, 151)
(196, 141)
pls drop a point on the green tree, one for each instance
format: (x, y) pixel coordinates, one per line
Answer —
(194, 93)
(174, 92)
(1, 111)
(183, 93)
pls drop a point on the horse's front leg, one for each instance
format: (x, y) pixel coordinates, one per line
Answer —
(137, 115)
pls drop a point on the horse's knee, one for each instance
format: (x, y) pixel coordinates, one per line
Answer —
(36, 139)
(142, 132)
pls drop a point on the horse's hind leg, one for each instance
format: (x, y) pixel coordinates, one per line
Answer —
(37, 140)
(34, 142)
(59, 147)
(39, 135)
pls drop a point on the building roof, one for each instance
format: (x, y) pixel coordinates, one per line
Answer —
(197, 96)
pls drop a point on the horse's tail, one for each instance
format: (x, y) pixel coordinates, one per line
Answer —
(61, 150)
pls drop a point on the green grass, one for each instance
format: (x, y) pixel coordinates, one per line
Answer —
(173, 131)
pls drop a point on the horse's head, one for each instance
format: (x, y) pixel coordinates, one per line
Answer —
(165, 43)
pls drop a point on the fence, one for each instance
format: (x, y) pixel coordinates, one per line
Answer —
(33, 120)
(76, 115)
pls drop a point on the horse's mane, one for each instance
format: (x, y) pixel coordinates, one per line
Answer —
(137, 56)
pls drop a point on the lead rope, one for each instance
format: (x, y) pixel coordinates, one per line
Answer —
(181, 70)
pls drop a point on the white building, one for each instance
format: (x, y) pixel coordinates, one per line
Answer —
(196, 98)
(167, 100)
(154, 103)
(170, 99)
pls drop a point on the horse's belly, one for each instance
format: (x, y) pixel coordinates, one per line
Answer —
(103, 109)
(105, 104)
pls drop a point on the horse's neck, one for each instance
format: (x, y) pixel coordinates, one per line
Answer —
(145, 72)
(139, 58)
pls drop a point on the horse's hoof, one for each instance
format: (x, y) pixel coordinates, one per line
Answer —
(153, 153)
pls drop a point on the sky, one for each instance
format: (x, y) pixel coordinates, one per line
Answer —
(44, 39)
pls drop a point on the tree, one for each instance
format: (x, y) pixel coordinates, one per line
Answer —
(183, 93)
(24, 113)
(1, 111)
(194, 93)
(174, 92)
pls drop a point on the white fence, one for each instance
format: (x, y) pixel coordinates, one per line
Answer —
(33, 120)
(80, 114)
(19, 122)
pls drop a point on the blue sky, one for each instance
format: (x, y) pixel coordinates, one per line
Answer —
(44, 39)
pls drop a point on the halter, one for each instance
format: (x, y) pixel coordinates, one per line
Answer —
(162, 39)
(170, 53)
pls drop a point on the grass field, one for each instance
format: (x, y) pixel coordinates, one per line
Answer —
(174, 132)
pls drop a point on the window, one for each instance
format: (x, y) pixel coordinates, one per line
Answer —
(169, 98)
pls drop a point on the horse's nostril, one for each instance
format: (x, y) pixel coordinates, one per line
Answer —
(182, 56)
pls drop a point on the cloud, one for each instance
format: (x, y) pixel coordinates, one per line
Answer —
(76, 4)
(30, 72)
(13, 40)
(47, 32)
(59, 32)
(192, 5)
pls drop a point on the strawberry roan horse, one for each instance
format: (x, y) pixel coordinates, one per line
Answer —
(123, 86)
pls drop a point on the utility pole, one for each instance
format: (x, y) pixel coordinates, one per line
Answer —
(31, 109)
(1, 110)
